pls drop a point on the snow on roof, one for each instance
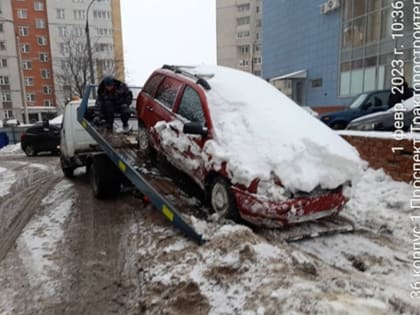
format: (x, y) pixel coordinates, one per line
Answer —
(260, 132)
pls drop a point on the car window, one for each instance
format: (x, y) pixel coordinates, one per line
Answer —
(152, 84)
(168, 91)
(190, 106)
(378, 99)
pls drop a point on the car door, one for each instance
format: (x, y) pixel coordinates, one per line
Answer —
(188, 148)
(377, 102)
(145, 100)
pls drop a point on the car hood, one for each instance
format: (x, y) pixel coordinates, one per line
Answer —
(261, 133)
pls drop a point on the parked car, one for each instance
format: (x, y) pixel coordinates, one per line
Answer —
(363, 104)
(385, 121)
(41, 138)
(242, 142)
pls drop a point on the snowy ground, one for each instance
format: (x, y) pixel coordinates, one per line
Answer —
(63, 252)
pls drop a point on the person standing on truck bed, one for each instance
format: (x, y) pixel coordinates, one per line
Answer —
(113, 97)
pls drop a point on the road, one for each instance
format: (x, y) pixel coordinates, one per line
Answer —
(64, 252)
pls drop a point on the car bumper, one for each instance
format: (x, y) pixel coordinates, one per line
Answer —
(282, 213)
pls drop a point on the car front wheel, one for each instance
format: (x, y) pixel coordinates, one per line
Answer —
(221, 199)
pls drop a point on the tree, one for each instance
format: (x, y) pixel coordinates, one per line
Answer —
(73, 69)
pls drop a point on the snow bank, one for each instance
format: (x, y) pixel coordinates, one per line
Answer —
(261, 133)
(11, 149)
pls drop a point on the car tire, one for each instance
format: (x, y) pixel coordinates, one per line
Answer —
(105, 178)
(68, 170)
(221, 199)
(30, 150)
(143, 144)
(338, 126)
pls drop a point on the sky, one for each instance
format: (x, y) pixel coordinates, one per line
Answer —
(158, 32)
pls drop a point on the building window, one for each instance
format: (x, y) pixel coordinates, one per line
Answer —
(46, 89)
(40, 23)
(38, 6)
(243, 20)
(78, 31)
(104, 31)
(244, 49)
(23, 31)
(257, 60)
(4, 80)
(62, 30)
(27, 64)
(22, 13)
(45, 74)
(1, 28)
(244, 7)
(60, 14)
(79, 14)
(48, 103)
(3, 63)
(29, 81)
(8, 114)
(26, 48)
(316, 82)
(243, 63)
(2, 45)
(242, 34)
(104, 47)
(42, 40)
(30, 97)
(257, 9)
(100, 14)
(6, 97)
(43, 57)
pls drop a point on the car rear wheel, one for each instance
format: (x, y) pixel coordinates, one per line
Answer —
(221, 199)
(105, 178)
(30, 150)
(144, 147)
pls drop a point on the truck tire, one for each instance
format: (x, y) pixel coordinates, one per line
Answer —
(68, 170)
(221, 199)
(105, 177)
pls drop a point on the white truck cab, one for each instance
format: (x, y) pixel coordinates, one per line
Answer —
(76, 144)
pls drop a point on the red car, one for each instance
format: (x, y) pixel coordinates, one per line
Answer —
(200, 120)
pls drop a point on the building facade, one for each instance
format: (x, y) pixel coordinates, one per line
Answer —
(238, 24)
(322, 53)
(43, 52)
(11, 96)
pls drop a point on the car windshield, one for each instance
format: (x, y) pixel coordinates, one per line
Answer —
(358, 101)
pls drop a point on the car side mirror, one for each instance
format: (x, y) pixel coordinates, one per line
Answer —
(195, 128)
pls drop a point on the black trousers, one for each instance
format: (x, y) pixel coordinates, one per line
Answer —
(109, 109)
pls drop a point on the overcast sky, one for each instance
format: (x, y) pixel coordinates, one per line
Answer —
(157, 32)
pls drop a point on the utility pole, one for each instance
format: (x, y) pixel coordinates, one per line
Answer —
(92, 74)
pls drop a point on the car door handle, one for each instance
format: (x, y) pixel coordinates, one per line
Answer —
(149, 108)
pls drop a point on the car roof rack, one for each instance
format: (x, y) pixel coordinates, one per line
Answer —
(201, 78)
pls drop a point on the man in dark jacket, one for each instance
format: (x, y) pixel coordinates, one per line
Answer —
(113, 97)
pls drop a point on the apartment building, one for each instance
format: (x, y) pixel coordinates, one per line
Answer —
(11, 97)
(43, 52)
(67, 25)
(239, 34)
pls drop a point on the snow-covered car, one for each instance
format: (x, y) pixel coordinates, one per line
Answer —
(242, 142)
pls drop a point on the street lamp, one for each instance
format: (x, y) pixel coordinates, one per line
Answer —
(20, 67)
(92, 76)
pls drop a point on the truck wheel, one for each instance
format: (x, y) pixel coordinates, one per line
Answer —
(68, 171)
(221, 199)
(105, 178)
